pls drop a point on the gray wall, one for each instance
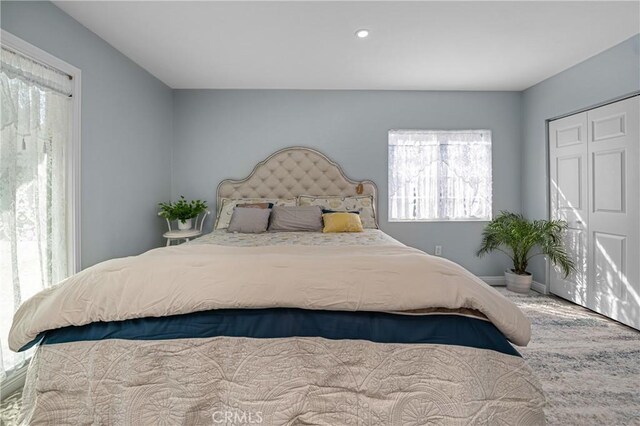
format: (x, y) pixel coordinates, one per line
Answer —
(131, 122)
(126, 132)
(222, 134)
(608, 75)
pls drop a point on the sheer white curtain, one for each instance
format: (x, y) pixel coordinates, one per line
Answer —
(439, 175)
(35, 132)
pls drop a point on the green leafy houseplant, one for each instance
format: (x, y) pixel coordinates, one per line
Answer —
(182, 209)
(515, 236)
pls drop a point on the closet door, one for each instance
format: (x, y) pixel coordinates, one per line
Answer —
(614, 211)
(568, 196)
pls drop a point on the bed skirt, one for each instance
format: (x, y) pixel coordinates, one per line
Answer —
(311, 380)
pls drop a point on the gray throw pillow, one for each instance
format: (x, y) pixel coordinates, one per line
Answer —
(304, 218)
(249, 220)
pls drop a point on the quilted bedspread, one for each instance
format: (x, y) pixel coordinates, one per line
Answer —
(291, 381)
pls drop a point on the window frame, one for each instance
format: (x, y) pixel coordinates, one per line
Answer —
(73, 155)
(436, 220)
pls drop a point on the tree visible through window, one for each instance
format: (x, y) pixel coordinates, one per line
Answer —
(439, 175)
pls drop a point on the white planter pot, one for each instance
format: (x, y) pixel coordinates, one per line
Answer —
(518, 283)
(186, 225)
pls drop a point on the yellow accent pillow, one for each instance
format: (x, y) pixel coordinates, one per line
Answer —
(341, 222)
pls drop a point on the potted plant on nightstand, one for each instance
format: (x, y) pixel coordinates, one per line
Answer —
(515, 236)
(183, 211)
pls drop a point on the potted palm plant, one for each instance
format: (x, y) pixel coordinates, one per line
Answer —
(515, 236)
(183, 211)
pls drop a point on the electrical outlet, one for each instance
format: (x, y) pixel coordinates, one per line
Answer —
(438, 251)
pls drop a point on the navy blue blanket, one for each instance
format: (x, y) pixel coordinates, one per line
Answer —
(379, 327)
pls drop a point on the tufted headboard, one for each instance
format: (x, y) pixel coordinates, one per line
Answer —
(295, 171)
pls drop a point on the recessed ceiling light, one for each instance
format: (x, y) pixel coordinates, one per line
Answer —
(362, 33)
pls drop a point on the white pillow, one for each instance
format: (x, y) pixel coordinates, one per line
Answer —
(228, 204)
(361, 203)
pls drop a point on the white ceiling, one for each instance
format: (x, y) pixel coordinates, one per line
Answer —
(451, 45)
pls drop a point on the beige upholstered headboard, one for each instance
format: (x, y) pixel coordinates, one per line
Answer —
(295, 171)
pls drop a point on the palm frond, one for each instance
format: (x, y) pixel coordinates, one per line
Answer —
(516, 236)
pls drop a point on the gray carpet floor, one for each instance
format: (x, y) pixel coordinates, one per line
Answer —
(589, 366)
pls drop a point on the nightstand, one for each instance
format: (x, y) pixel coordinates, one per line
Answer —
(181, 235)
(186, 234)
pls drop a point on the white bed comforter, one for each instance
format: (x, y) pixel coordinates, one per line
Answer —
(190, 278)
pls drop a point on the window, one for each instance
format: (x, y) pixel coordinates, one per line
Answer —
(38, 179)
(439, 175)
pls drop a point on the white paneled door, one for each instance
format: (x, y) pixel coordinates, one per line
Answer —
(568, 172)
(595, 187)
(614, 211)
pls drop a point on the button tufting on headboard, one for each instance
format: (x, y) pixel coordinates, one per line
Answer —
(295, 171)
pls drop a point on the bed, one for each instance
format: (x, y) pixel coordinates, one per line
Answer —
(278, 328)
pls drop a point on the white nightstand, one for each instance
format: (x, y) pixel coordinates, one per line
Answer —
(187, 234)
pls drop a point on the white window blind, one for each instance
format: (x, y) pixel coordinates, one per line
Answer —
(439, 175)
(36, 114)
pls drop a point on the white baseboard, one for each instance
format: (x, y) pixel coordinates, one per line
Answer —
(14, 382)
(494, 280)
(539, 287)
(499, 281)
